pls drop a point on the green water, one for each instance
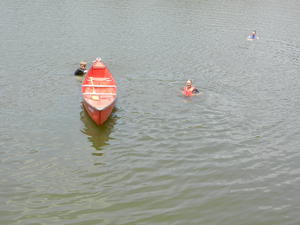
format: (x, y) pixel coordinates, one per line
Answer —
(229, 156)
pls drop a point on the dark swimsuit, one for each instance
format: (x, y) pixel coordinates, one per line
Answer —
(195, 91)
(79, 72)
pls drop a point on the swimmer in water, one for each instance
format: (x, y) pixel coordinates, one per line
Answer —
(252, 36)
(189, 89)
(81, 70)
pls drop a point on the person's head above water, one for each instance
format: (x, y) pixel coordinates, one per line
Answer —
(189, 83)
(83, 65)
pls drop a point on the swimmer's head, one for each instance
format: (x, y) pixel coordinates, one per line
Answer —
(188, 83)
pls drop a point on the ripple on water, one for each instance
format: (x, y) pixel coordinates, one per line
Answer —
(228, 156)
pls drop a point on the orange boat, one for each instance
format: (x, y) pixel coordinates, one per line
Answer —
(99, 92)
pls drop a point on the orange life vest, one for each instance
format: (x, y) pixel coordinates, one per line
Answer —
(188, 91)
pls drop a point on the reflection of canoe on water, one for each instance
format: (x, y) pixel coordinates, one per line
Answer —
(98, 136)
(99, 92)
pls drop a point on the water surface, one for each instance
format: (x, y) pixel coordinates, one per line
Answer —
(229, 156)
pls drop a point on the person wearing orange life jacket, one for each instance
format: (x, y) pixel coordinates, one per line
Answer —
(189, 89)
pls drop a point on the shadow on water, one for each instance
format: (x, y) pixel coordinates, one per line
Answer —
(97, 135)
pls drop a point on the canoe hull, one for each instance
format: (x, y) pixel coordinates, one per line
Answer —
(98, 116)
(99, 92)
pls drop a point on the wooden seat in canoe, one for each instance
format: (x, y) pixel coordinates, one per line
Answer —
(100, 78)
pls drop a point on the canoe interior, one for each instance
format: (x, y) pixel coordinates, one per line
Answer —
(99, 88)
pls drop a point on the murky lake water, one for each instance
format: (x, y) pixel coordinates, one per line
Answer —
(229, 156)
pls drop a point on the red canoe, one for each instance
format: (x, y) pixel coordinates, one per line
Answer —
(99, 92)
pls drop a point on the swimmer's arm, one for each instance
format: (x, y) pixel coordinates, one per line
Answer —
(195, 91)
